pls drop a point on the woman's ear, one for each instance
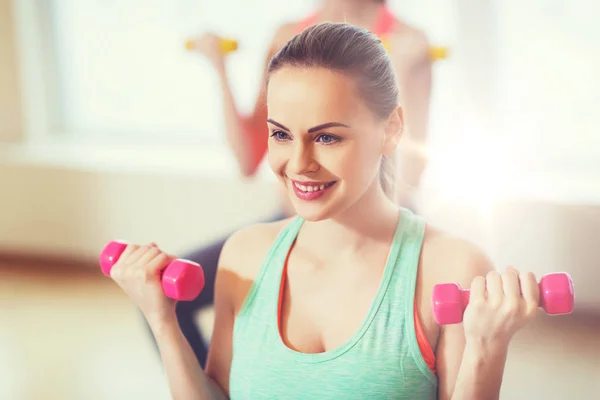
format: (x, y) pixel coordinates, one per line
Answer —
(393, 131)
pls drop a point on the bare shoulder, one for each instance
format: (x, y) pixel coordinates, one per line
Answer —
(448, 258)
(244, 252)
(404, 32)
(445, 259)
(409, 43)
(283, 34)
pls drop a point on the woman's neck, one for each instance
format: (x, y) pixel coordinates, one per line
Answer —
(373, 218)
(361, 13)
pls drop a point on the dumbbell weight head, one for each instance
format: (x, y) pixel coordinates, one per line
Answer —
(110, 255)
(449, 303)
(181, 280)
(557, 295)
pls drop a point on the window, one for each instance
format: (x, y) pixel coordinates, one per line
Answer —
(122, 70)
(116, 72)
(519, 77)
(548, 92)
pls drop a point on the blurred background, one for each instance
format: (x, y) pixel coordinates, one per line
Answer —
(111, 129)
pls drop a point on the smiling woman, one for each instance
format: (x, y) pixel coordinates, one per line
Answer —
(308, 149)
(336, 302)
(303, 188)
(331, 153)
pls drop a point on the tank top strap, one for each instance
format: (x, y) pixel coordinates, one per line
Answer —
(401, 296)
(385, 22)
(269, 277)
(407, 263)
(410, 250)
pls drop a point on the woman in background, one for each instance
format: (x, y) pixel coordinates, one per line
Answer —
(247, 135)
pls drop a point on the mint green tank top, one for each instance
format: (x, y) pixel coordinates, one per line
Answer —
(382, 360)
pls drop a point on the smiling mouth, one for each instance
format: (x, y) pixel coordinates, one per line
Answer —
(309, 187)
(311, 191)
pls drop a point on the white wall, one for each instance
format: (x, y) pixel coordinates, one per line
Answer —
(10, 96)
(71, 202)
(70, 212)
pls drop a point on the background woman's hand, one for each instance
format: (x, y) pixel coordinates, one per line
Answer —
(209, 45)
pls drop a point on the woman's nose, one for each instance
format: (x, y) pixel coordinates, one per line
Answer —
(302, 160)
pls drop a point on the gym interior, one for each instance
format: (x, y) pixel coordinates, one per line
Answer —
(111, 128)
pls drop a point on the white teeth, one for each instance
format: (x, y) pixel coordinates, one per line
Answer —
(310, 188)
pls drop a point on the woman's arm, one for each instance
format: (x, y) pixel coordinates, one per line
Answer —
(239, 263)
(137, 272)
(186, 378)
(247, 135)
(410, 57)
(416, 98)
(471, 356)
(468, 370)
(481, 371)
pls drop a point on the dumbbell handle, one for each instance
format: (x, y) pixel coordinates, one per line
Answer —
(556, 297)
(181, 280)
(466, 296)
(225, 45)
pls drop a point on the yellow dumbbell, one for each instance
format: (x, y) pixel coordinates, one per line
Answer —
(436, 53)
(385, 44)
(226, 45)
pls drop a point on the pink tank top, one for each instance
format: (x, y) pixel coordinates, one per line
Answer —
(384, 22)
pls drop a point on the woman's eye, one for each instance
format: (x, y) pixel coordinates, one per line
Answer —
(327, 139)
(280, 135)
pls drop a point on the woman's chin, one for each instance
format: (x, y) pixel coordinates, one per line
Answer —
(312, 212)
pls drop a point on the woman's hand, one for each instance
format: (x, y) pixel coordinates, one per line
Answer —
(210, 46)
(138, 273)
(499, 306)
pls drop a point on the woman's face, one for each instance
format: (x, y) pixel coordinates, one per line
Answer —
(325, 145)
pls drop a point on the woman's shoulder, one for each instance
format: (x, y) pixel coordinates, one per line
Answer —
(409, 41)
(450, 258)
(445, 258)
(406, 31)
(284, 33)
(245, 250)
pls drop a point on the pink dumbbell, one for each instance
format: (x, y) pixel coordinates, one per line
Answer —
(556, 298)
(181, 280)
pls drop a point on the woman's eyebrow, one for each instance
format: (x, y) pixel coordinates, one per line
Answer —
(277, 124)
(327, 125)
(313, 129)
